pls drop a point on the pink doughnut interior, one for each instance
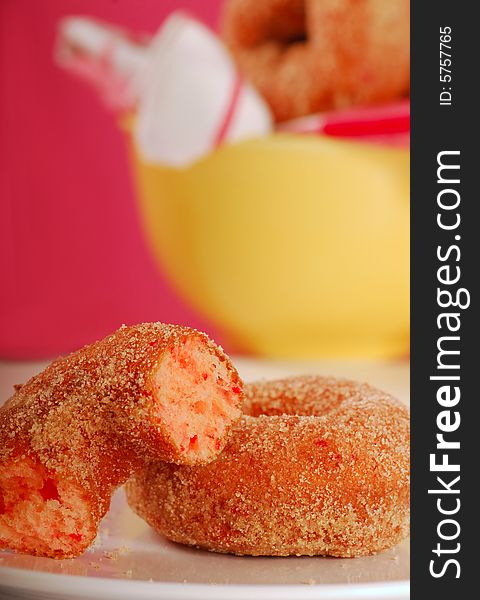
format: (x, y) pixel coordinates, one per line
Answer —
(39, 514)
(196, 397)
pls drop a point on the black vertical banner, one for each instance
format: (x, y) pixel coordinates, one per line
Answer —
(445, 258)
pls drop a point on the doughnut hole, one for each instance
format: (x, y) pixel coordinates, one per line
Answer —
(293, 396)
(281, 22)
(42, 514)
(287, 25)
(197, 397)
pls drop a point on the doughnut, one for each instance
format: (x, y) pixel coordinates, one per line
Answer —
(316, 466)
(306, 56)
(74, 433)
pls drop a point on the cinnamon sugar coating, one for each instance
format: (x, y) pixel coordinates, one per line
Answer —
(306, 56)
(74, 433)
(316, 466)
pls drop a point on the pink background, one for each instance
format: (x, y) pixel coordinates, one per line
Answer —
(73, 262)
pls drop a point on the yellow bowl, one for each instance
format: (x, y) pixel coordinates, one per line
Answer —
(297, 246)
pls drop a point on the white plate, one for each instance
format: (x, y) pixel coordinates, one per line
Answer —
(130, 562)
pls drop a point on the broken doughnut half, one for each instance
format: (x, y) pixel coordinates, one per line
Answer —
(74, 433)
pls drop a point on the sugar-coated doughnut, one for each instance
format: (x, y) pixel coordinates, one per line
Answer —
(75, 432)
(306, 56)
(317, 466)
